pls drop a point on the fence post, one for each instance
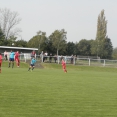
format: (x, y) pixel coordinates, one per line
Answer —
(75, 58)
(104, 62)
(25, 57)
(89, 62)
(58, 59)
(42, 58)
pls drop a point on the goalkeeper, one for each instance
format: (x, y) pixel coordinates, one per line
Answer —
(32, 64)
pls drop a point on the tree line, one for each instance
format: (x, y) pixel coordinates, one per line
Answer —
(57, 43)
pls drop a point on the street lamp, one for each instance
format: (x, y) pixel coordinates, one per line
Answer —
(38, 33)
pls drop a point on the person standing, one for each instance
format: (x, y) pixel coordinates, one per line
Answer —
(11, 58)
(5, 55)
(64, 65)
(0, 62)
(46, 54)
(17, 58)
(32, 64)
(55, 58)
(50, 58)
(33, 54)
(72, 57)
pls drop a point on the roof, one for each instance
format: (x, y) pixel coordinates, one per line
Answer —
(21, 48)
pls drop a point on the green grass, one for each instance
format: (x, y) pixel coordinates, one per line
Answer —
(82, 92)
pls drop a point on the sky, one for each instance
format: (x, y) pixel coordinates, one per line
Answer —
(77, 17)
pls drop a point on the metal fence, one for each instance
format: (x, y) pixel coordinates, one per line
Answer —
(83, 61)
(68, 59)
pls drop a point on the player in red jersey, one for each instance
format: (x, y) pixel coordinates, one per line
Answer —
(0, 62)
(17, 58)
(64, 66)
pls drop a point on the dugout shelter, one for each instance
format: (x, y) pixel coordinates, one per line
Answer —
(14, 49)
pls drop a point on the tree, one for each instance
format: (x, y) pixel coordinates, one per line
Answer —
(101, 38)
(21, 43)
(76, 50)
(39, 41)
(50, 48)
(8, 20)
(114, 54)
(33, 42)
(42, 41)
(108, 48)
(1, 37)
(94, 48)
(84, 47)
(58, 39)
(70, 48)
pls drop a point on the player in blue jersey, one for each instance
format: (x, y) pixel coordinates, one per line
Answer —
(32, 64)
(11, 58)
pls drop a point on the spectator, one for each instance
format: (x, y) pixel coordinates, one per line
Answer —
(46, 54)
(55, 58)
(44, 57)
(5, 55)
(61, 58)
(72, 57)
(50, 58)
(33, 54)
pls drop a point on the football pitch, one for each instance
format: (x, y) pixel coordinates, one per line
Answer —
(49, 92)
